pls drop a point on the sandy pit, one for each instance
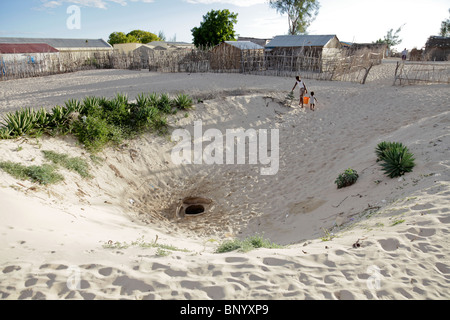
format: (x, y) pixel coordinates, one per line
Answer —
(380, 238)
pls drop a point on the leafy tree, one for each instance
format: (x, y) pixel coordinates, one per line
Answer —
(135, 36)
(445, 27)
(392, 38)
(118, 37)
(143, 36)
(217, 26)
(301, 13)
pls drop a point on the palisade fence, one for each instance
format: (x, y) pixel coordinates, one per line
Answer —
(422, 72)
(346, 66)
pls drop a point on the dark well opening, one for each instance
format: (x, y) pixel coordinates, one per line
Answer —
(194, 209)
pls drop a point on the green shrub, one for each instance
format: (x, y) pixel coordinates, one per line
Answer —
(183, 102)
(19, 123)
(71, 163)
(383, 146)
(92, 106)
(165, 103)
(94, 133)
(246, 245)
(5, 133)
(397, 161)
(45, 174)
(73, 105)
(97, 121)
(347, 178)
(42, 120)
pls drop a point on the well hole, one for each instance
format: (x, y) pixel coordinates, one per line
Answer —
(194, 210)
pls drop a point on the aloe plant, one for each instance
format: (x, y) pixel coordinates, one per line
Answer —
(383, 146)
(397, 161)
(20, 122)
(164, 103)
(183, 102)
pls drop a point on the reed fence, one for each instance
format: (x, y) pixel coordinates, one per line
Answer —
(422, 72)
(352, 66)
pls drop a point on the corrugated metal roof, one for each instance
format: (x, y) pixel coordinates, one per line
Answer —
(245, 45)
(6, 48)
(61, 43)
(299, 41)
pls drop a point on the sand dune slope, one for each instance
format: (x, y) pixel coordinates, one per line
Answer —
(108, 237)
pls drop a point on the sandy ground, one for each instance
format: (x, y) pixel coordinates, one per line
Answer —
(381, 238)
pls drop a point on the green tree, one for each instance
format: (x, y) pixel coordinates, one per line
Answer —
(301, 13)
(118, 37)
(217, 26)
(392, 38)
(445, 28)
(143, 36)
(135, 36)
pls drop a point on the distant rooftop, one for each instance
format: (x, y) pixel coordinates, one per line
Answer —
(60, 43)
(245, 45)
(7, 48)
(300, 41)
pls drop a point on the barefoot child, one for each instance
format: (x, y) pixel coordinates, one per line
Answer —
(312, 101)
(302, 87)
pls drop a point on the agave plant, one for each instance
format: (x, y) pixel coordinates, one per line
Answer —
(383, 146)
(42, 119)
(5, 133)
(164, 103)
(397, 161)
(122, 99)
(20, 122)
(58, 116)
(73, 105)
(183, 102)
(142, 100)
(91, 106)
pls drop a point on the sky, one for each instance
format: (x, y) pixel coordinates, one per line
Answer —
(359, 21)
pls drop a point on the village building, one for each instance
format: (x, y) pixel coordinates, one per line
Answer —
(126, 48)
(236, 56)
(258, 41)
(84, 49)
(64, 45)
(162, 55)
(437, 48)
(28, 52)
(309, 52)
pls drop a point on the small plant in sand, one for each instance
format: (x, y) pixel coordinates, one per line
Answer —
(347, 178)
(246, 245)
(71, 163)
(183, 102)
(382, 147)
(328, 235)
(396, 159)
(19, 123)
(44, 174)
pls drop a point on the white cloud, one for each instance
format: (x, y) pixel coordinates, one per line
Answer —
(238, 3)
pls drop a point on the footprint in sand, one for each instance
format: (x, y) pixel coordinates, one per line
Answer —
(306, 206)
(9, 269)
(390, 244)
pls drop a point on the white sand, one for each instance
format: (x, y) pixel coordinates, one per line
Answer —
(52, 239)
